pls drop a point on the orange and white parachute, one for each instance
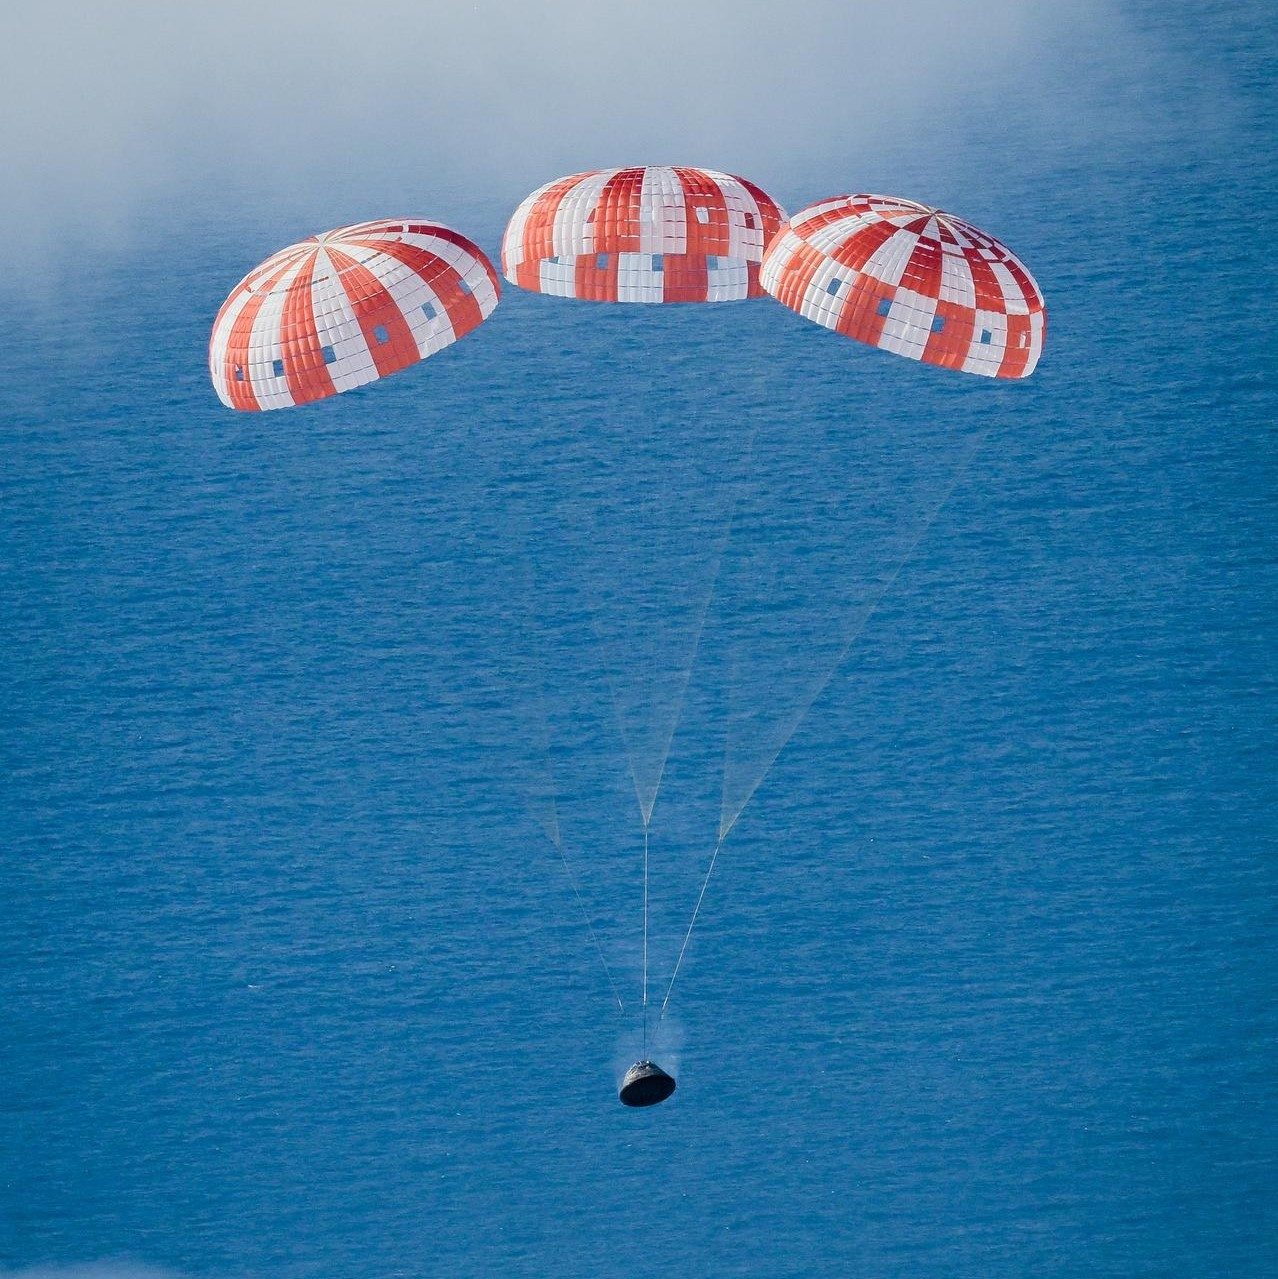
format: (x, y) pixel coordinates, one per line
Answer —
(341, 309)
(654, 234)
(910, 279)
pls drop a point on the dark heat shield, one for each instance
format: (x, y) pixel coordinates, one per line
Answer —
(645, 1084)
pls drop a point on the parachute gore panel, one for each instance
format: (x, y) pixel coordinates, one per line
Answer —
(338, 310)
(652, 234)
(910, 279)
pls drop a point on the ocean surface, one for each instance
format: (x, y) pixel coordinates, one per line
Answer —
(313, 720)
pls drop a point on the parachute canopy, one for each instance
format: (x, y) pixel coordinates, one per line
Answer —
(341, 309)
(653, 234)
(911, 279)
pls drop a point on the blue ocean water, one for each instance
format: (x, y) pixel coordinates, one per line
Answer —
(294, 980)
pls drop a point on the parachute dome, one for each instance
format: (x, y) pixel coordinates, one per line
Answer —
(341, 309)
(910, 279)
(652, 234)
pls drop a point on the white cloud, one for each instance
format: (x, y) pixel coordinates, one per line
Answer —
(107, 103)
(115, 104)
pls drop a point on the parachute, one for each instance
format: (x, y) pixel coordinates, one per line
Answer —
(889, 272)
(647, 235)
(910, 279)
(358, 303)
(655, 234)
(341, 309)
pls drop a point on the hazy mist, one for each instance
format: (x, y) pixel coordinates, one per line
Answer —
(112, 106)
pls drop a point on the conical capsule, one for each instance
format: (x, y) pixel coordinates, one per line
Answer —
(646, 1084)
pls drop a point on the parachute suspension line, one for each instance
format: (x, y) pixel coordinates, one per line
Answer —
(692, 923)
(696, 642)
(646, 812)
(724, 541)
(550, 828)
(726, 822)
(645, 939)
(585, 916)
(646, 806)
(621, 722)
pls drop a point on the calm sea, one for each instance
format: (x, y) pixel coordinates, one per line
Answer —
(312, 720)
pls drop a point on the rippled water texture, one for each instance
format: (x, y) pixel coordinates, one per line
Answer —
(298, 705)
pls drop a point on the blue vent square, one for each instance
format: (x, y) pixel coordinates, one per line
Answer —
(885, 305)
(239, 373)
(658, 262)
(463, 286)
(833, 287)
(601, 261)
(712, 262)
(938, 323)
(328, 354)
(278, 366)
(428, 310)
(986, 336)
(381, 334)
